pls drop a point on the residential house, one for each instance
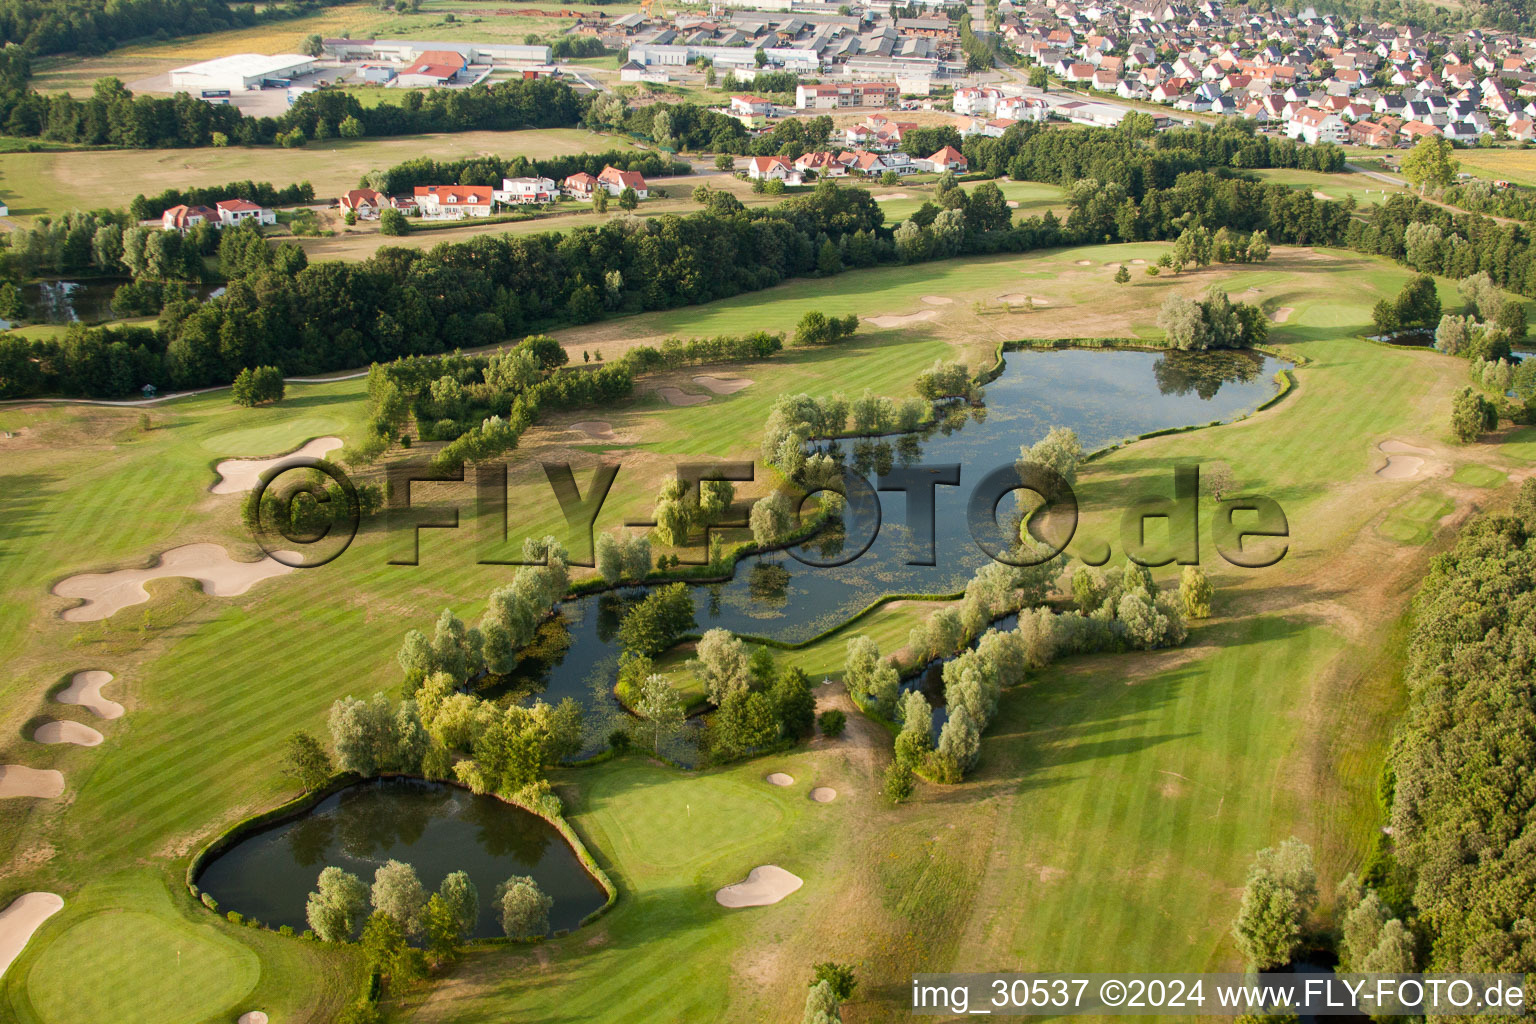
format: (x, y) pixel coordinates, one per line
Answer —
(451, 202)
(1313, 126)
(183, 218)
(617, 181)
(523, 191)
(947, 159)
(365, 202)
(581, 185)
(234, 211)
(770, 168)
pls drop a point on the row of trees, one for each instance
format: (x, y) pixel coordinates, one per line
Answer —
(263, 193)
(1212, 322)
(491, 169)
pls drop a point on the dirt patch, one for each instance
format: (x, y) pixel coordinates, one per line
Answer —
(1282, 314)
(1320, 195)
(240, 475)
(67, 732)
(780, 779)
(676, 396)
(823, 794)
(1138, 263)
(85, 690)
(724, 385)
(767, 884)
(103, 594)
(252, 1017)
(1013, 204)
(890, 320)
(20, 920)
(18, 780)
(937, 300)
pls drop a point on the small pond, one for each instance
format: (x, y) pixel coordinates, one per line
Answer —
(90, 302)
(436, 828)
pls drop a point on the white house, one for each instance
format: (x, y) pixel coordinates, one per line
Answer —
(1313, 126)
(234, 211)
(770, 168)
(518, 191)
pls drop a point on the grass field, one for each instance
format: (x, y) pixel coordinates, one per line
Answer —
(51, 183)
(1365, 191)
(1118, 801)
(1517, 165)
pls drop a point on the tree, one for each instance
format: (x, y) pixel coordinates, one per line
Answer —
(771, 519)
(839, 977)
(721, 664)
(600, 201)
(793, 702)
(898, 782)
(1122, 276)
(609, 558)
(652, 626)
(1059, 450)
(1385, 319)
(1184, 322)
(393, 222)
(523, 908)
(1268, 925)
(398, 893)
(306, 762)
(725, 162)
(1195, 592)
(821, 1005)
(1430, 164)
(812, 329)
(662, 708)
(1472, 415)
(744, 722)
(312, 46)
(385, 949)
(337, 907)
(462, 898)
(628, 199)
(832, 723)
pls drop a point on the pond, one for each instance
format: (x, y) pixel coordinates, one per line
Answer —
(90, 302)
(434, 827)
(1104, 395)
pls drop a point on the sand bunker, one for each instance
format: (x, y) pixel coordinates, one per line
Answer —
(676, 396)
(221, 576)
(1085, 263)
(20, 920)
(1138, 263)
(599, 430)
(67, 732)
(252, 1017)
(85, 690)
(19, 780)
(767, 884)
(780, 779)
(1013, 204)
(1320, 195)
(900, 321)
(724, 385)
(1282, 314)
(823, 794)
(240, 475)
(1403, 460)
(891, 195)
(937, 300)
(1020, 298)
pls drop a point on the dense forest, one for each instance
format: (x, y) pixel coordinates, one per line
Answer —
(1462, 807)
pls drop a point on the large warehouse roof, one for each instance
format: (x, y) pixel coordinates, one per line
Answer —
(246, 65)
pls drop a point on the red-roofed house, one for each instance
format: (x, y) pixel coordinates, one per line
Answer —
(617, 181)
(770, 168)
(751, 106)
(947, 159)
(182, 218)
(453, 201)
(822, 163)
(233, 211)
(581, 185)
(365, 202)
(432, 67)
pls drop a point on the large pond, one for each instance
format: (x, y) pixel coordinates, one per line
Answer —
(90, 302)
(1104, 395)
(436, 828)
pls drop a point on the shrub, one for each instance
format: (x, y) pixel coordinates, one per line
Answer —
(211, 903)
(235, 917)
(833, 723)
(899, 782)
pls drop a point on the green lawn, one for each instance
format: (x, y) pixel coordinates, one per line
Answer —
(1119, 798)
(1365, 191)
(1479, 476)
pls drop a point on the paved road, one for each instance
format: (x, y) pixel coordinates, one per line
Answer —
(1390, 179)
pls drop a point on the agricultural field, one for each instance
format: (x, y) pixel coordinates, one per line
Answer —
(1508, 164)
(1118, 800)
(34, 184)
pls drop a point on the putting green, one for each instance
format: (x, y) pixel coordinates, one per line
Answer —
(1479, 476)
(131, 966)
(1414, 523)
(279, 436)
